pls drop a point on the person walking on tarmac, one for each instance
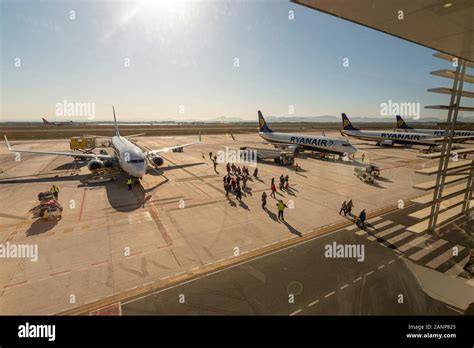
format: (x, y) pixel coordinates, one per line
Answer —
(264, 200)
(349, 207)
(238, 193)
(55, 190)
(255, 172)
(273, 190)
(361, 220)
(129, 183)
(281, 208)
(343, 208)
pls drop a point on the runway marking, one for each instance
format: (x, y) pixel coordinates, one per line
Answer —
(82, 204)
(98, 263)
(381, 224)
(313, 303)
(399, 237)
(414, 243)
(430, 248)
(330, 294)
(58, 273)
(381, 266)
(448, 254)
(390, 230)
(391, 261)
(361, 233)
(344, 286)
(457, 268)
(358, 279)
(295, 312)
(15, 284)
(369, 273)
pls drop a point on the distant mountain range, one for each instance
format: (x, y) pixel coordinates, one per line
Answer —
(282, 119)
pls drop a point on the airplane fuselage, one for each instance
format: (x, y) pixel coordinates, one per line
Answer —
(438, 132)
(322, 144)
(129, 156)
(394, 137)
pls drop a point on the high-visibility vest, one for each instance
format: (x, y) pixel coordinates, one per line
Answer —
(281, 206)
(54, 189)
(129, 181)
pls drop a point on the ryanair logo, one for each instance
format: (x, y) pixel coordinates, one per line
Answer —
(402, 136)
(311, 141)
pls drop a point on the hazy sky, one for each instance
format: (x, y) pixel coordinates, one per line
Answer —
(181, 57)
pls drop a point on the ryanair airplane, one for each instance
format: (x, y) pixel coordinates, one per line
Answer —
(297, 142)
(402, 126)
(390, 138)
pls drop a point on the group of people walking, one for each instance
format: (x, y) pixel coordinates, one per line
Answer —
(284, 184)
(346, 208)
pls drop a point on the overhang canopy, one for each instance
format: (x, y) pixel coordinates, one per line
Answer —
(446, 26)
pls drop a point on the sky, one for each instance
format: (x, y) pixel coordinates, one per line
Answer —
(161, 60)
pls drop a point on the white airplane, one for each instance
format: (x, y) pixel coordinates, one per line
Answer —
(402, 126)
(297, 142)
(130, 157)
(390, 138)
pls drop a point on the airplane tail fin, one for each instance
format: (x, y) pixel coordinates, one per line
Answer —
(45, 121)
(117, 133)
(262, 125)
(401, 124)
(346, 124)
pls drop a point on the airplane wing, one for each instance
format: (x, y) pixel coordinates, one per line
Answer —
(165, 149)
(72, 154)
(133, 135)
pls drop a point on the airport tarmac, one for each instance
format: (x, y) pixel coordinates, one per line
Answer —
(112, 240)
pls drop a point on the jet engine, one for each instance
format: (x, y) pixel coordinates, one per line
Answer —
(156, 159)
(95, 164)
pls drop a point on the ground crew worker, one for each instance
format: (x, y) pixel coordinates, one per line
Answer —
(287, 180)
(281, 207)
(255, 172)
(55, 191)
(264, 200)
(129, 183)
(363, 157)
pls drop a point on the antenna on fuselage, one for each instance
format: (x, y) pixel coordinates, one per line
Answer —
(115, 123)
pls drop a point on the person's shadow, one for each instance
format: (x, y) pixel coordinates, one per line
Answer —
(243, 205)
(272, 215)
(292, 229)
(231, 202)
